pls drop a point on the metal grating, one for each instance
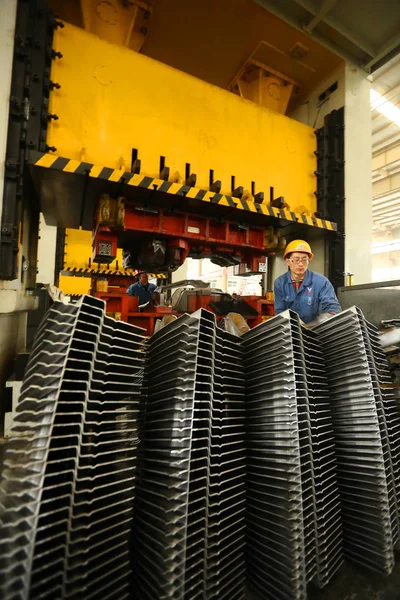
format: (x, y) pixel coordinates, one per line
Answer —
(67, 493)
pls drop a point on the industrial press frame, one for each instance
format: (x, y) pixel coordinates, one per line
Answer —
(111, 159)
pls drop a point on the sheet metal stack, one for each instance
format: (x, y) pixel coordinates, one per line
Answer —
(100, 529)
(162, 508)
(326, 491)
(189, 511)
(275, 526)
(225, 566)
(306, 464)
(366, 443)
(293, 513)
(391, 404)
(66, 499)
(286, 439)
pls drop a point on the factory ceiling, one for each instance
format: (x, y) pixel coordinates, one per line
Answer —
(305, 40)
(209, 39)
(364, 32)
(385, 114)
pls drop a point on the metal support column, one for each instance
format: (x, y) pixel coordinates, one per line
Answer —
(27, 125)
(330, 189)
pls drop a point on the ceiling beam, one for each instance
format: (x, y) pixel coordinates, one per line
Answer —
(389, 185)
(383, 173)
(395, 230)
(385, 49)
(385, 145)
(384, 127)
(326, 6)
(388, 217)
(392, 203)
(395, 147)
(386, 198)
(386, 208)
(388, 68)
(386, 96)
(352, 36)
(382, 160)
(378, 115)
(276, 8)
(391, 219)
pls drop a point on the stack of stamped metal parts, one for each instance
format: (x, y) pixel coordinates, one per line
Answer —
(67, 494)
(390, 401)
(366, 426)
(328, 526)
(190, 512)
(225, 566)
(313, 411)
(293, 514)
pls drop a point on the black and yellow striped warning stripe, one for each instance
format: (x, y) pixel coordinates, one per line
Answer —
(121, 272)
(68, 165)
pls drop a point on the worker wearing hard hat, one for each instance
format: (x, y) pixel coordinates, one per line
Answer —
(144, 290)
(309, 294)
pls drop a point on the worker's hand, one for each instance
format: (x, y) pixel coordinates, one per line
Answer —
(318, 320)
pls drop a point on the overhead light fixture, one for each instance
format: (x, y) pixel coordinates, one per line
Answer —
(384, 107)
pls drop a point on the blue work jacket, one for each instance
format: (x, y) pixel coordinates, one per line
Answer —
(314, 297)
(145, 294)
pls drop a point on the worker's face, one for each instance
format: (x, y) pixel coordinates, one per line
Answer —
(298, 263)
(144, 279)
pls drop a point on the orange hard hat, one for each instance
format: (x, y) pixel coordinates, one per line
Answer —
(298, 246)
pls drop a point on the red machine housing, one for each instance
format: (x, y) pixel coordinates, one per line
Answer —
(160, 239)
(125, 307)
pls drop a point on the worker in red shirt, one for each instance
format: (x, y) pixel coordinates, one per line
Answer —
(309, 294)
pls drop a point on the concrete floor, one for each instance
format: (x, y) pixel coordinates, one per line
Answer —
(354, 583)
